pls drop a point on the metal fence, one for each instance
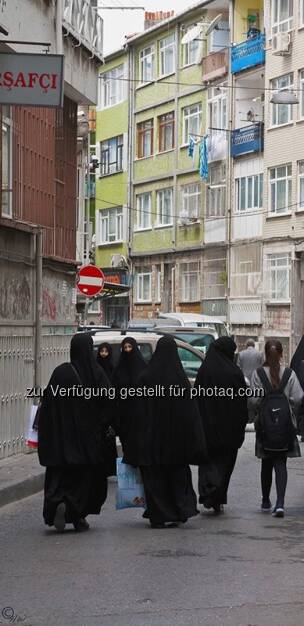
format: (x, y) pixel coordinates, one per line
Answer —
(16, 376)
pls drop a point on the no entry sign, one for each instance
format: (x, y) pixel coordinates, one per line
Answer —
(90, 280)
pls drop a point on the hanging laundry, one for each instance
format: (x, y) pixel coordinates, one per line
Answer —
(191, 147)
(203, 158)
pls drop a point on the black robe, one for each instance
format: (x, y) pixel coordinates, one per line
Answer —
(106, 362)
(72, 435)
(224, 419)
(168, 436)
(297, 364)
(125, 377)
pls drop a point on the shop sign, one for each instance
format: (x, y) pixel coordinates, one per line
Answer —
(31, 79)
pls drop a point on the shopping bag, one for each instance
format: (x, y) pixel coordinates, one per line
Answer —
(130, 489)
(32, 433)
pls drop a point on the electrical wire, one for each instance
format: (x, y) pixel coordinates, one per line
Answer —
(171, 82)
(246, 213)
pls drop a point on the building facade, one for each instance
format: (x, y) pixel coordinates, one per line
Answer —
(39, 216)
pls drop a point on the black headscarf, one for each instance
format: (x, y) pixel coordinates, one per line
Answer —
(71, 428)
(106, 362)
(224, 418)
(297, 362)
(130, 365)
(168, 429)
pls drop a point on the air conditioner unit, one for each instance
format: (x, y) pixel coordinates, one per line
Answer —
(118, 260)
(281, 44)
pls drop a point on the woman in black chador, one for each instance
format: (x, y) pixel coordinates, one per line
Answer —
(297, 364)
(130, 365)
(167, 436)
(73, 442)
(224, 420)
(104, 359)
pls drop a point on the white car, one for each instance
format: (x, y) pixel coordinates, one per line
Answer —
(190, 357)
(195, 320)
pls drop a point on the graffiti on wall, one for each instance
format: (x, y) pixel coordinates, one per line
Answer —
(15, 295)
(57, 298)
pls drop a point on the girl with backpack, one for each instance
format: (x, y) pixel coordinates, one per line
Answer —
(275, 424)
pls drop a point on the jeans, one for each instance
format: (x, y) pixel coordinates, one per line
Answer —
(276, 461)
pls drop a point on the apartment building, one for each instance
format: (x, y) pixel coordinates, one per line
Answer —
(246, 94)
(283, 221)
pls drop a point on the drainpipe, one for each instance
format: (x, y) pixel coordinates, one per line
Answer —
(229, 162)
(38, 311)
(59, 16)
(130, 165)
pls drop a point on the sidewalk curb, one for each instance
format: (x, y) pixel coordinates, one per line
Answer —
(23, 489)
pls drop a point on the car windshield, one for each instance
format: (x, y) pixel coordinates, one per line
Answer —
(199, 341)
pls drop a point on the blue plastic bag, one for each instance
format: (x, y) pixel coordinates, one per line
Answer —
(130, 489)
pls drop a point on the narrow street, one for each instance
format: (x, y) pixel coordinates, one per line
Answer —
(242, 569)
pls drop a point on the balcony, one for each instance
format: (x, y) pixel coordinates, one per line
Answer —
(248, 139)
(82, 22)
(215, 65)
(248, 54)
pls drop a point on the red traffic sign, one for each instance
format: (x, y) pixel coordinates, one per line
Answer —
(90, 280)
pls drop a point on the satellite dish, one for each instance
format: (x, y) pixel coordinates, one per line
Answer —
(192, 34)
(213, 24)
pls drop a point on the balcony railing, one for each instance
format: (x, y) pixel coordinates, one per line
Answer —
(247, 139)
(215, 65)
(248, 54)
(82, 22)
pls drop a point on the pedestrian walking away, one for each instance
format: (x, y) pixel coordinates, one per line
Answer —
(104, 359)
(249, 359)
(168, 437)
(130, 365)
(73, 441)
(297, 364)
(275, 423)
(224, 419)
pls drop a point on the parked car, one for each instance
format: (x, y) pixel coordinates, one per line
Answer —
(149, 323)
(190, 356)
(89, 328)
(195, 320)
(199, 338)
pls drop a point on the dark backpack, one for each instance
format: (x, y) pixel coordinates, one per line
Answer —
(276, 427)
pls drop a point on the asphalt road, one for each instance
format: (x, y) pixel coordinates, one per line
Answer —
(241, 569)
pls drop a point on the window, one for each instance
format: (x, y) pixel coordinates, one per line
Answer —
(164, 207)
(301, 184)
(280, 188)
(167, 55)
(281, 113)
(302, 92)
(158, 283)
(166, 132)
(249, 193)
(282, 15)
(190, 50)
(192, 120)
(278, 272)
(146, 62)
(190, 282)
(112, 87)
(6, 162)
(110, 225)
(143, 285)
(191, 201)
(216, 192)
(217, 111)
(94, 306)
(145, 139)
(111, 155)
(144, 211)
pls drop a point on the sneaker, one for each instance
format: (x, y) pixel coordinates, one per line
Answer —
(266, 506)
(278, 512)
(59, 519)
